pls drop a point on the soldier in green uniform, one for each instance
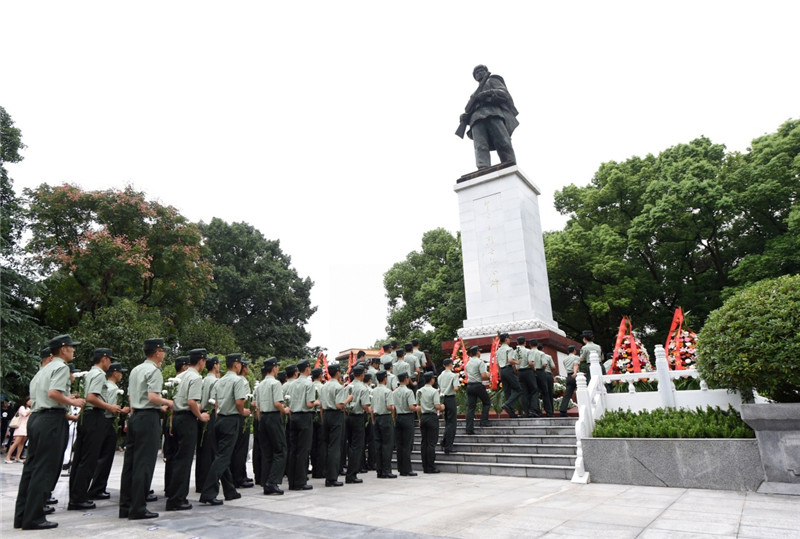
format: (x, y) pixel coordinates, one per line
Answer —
(539, 360)
(170, 446)
(373, 369)
(141, 442)
(391, 379)
(405, 407)
(549, 365)
(507, 362)
(448, 386)
(588, 347)
(291, 378)
(430, 406)
(333, 400)
(356, 422)
(527, 379)
(206, 439)
(239, 457)
(413, 363)
(184, 429)
(571, 364)
(387, 355)
(111, 391)
(421, 359)
(89, 440)
(383, 408)
(229, 395)
(301, 404)
(476, 374)
(271, 432)
(401, 366)
(317, 447)
(47, 427)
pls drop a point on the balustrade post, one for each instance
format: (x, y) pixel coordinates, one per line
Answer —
(666, 390)
(583, 428)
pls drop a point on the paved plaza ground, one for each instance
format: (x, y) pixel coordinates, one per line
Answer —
(448, 505)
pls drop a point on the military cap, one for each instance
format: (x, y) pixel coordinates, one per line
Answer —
(380, 376)
(303, 365)
(394, 344)
(45, 353)
(473, 349)
(587, 333)
(503, 337)
(270, 362)
(332, 370)
(520, 340)
(375, 360)
(358, 370)
(415, 342)
(62, 340)
(197, 353)
(429, 376)
(291, 370)
(316, 373)
(115, 367)
(387, 345)
(282, 377)
(408, 347)
(402, 376)
(447, 362)
(230, 359)
(533, 342)
(570, 348)
(388, 365)
(400, 353)
(211, 361)
(100, 353)
(151, 345)
(180, 362)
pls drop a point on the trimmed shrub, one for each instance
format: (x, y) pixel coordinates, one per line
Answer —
(672, 423)
(752, 342)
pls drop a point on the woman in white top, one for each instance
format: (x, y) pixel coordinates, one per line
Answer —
(20, 434)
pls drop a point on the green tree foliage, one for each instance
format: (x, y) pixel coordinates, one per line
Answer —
(22, 337)
(650, 234)
(206, 333)
(671, 423)
(123, 327)
(256, 291)
(97, 246)
(752, 341)
(426, 292)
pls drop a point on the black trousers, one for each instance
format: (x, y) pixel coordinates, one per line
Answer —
(257, 453)
(91, 429)
(541, 381)
(272, 441)
(572, 385)
(239, 457)
(108, 448)
(226, 429)
(404, 436)
(355, 443)
(333, 430)
(549, 377)
(369, 444)
(511, 387)
(168, 449)
(317, 448)
(300, 434)
(46, 431)
(429, 427)
(184, 430)
(476, 391)
(530, 392)
(384, 443)
(491, 133)
(141, 452)
(206, 447)
(450, 414)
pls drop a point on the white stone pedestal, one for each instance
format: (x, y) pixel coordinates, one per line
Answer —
(505, 275)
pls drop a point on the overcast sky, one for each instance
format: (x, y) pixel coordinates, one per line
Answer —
(329, 125)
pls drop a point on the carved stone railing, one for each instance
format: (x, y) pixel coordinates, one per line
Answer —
(594, 400)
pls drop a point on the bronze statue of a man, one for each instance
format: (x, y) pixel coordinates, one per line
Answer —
(492, 118)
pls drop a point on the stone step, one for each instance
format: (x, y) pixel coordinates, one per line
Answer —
(490, 447)
(516, 430)
(522, 422)
(508, 439)
(504, 458)
(486, 468)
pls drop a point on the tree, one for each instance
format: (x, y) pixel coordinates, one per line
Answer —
(123, 327)
(95, 247)
(256, 291)
(651, 234)
(203, 332)
(426, 292)
(22, 335)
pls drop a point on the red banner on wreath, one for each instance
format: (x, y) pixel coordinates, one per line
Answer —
(493, 368)
(625, 330)
(681, 346)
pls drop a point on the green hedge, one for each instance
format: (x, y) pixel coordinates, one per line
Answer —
(672, 423)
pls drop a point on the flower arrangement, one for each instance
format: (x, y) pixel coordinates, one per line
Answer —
(460, 359)
(681, 344)
(629, 353)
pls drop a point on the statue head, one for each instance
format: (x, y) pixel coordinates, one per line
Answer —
(480, 72)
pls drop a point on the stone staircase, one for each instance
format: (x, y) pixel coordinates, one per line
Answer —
(543, 447)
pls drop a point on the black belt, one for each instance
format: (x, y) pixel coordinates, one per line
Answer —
(51, 411)
(540, 369)
(330, 410)
(523, 368)
(474, 383)
(229, 415)
(272, 412)
(449, 396)
(407, 413)
(428, 413)
(140, 410)
(506, 367)
(179, 412)
(384, 415)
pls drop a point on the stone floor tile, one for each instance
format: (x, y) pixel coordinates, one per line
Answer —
(695, 526)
